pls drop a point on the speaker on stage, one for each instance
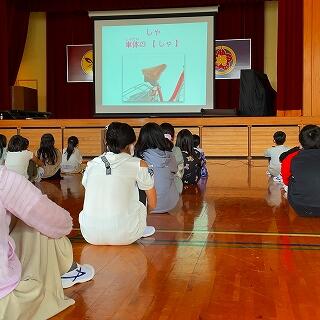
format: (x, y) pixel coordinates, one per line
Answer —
(218, 112)
(257, 97)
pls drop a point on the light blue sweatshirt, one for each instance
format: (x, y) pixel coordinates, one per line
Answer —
(165, 167)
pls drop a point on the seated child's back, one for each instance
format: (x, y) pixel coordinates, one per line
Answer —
(18, 156)
(274, 153)
(153, 148)
(71, 157)
(196, 144)
(117, 186)
(304, 175)
(191, 157)
(50, 156)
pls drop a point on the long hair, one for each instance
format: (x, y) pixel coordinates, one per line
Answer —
(73, 141)
(151, 137)
(3, 143)
(185, 143)
(47, 152)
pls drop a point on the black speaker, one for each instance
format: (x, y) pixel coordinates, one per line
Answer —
(257, 97)
(218, 112)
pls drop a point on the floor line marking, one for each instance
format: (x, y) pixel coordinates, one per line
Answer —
(272, 234)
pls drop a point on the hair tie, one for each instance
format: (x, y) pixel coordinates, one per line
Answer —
(168, 136)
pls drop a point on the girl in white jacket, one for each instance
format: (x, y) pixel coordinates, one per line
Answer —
(117, 187)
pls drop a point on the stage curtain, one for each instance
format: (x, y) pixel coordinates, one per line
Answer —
(14, 20)
(236, 19)
(67, 100)
(290, 56)
(4, 74)
(18, 21)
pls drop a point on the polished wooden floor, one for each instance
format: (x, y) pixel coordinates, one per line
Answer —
(235, 250)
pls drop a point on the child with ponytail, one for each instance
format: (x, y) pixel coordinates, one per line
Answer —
(71, 157)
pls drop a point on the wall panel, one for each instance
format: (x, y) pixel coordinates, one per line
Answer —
(225, 141)
(89, 140)
(311, 58)
(262, 138)
(221, 137)
(8, 132)
(34, 137)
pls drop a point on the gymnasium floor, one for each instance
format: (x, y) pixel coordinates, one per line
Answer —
(234, 251)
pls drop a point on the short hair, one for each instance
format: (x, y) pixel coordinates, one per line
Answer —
(309, 137)
(18, 143)
(279, 137)
(196, 140)
(118, 136)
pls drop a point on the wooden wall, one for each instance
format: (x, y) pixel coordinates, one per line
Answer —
(220, 137)
(311, 58)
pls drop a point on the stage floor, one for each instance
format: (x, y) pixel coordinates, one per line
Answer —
(236, 250)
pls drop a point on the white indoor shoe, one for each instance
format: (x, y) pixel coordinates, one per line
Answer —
(277, 179)
(82, 273)
(148, 231)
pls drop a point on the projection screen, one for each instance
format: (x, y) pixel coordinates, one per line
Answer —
(154, 62)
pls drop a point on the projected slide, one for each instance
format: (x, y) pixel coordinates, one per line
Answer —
(154, 64)
(154, 61)
(160, 84)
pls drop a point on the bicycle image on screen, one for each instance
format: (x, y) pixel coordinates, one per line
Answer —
(160, 85)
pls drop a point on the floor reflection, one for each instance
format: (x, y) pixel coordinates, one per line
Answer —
(274, 194)
(234, 250)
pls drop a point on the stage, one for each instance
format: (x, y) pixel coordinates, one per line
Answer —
(220, 136)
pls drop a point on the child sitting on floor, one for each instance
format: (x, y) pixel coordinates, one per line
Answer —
(34, 252)
(22, 161)
(50, 156)
(168, 131)
(273, 155)
(191, 157)
(196, 144)
(152, 147)
(71, 157)
(300, 172)
(118, 188)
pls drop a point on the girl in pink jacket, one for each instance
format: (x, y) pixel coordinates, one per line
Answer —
(36, 260)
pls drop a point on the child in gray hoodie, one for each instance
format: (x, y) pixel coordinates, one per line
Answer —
(153, 148)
